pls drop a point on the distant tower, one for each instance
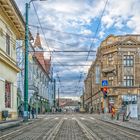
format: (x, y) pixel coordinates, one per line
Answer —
(37, 44)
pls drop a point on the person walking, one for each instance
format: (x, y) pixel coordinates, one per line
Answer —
(113, 112)
(29, 111)
(21, 110)
(33, 112)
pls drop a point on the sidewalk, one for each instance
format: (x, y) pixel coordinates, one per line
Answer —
(132, 123)
(13, 123)
(9, 124)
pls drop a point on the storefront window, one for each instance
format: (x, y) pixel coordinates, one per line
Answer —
(129, 99)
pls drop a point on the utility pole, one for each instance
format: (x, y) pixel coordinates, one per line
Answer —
(26, 65)
(91, 90)
(83, 99)
(58, 98)
(54, 92)
(26, 61)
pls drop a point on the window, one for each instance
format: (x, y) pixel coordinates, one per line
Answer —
(129, 99)
(7, 94)
(7, 44)
(110, 80)
(110, 57)
(128, 80)
(97, 74)
(128, 60)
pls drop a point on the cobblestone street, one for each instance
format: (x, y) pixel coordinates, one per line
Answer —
(69, 127)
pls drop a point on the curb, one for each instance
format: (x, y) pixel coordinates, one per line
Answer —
(15, 123)
(10, 125)
(119, 125)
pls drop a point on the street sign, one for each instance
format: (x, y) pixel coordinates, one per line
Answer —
(104, 83)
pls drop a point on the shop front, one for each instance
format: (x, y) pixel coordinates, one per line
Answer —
(130, 101)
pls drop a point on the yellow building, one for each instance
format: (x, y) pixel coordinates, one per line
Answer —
(11, 29)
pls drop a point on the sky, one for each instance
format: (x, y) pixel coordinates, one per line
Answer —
(80, 26)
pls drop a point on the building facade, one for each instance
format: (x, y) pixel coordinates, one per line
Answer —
(11, 29)
(40, 91)
(117, 62)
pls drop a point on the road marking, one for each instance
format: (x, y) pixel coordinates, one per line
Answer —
(56, 118)
(46, 118)
(73, 118)
(65, 118)
(92, 118)
(82, 118)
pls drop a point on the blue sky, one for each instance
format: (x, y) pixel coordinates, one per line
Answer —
(79, 17)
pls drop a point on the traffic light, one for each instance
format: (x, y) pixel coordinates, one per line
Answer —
(104, 90)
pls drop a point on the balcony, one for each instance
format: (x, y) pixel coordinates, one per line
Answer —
(109, 69)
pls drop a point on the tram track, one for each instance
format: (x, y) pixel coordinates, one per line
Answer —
(106, 131)
(71, 127)
(25, 132)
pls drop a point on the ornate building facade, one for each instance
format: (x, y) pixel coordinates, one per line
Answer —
(41, 91)
(117, 62)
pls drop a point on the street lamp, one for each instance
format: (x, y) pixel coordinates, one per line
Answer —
(26, 61)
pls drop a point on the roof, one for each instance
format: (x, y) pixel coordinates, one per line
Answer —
(45, 63)
(115, 40)
(37, 41)
(13, 14)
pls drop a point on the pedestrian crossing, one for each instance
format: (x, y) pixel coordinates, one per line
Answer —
(71, 118)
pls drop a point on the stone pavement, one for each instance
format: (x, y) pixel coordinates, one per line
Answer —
(131, 123)
(18, 122)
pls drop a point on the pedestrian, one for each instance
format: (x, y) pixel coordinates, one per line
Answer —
(29, 111)
(21, 110)
(33, 112)
(113, 112)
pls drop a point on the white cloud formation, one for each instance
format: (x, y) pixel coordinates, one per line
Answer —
(122, 14)
(80, 17)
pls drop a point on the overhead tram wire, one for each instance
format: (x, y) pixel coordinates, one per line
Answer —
(41, 27)
(60, 42)
(96, 32)
(68, 51)
(97, 29)
(54, 30)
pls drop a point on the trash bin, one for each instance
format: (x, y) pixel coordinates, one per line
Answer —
(4, 114)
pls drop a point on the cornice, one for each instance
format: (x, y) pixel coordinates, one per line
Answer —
(7, 60)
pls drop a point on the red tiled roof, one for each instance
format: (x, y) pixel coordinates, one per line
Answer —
(45, 63)
(48, 65)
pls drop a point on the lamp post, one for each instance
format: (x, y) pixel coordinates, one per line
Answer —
(26, 61)
(54, 92)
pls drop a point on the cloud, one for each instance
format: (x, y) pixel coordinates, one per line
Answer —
(79, 17)
(121, 14)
